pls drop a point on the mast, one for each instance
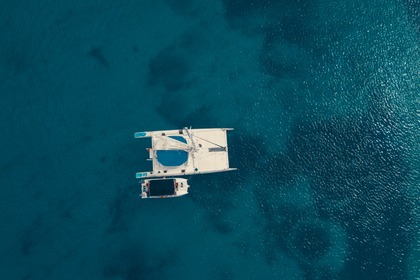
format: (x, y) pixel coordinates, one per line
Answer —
(194, 149)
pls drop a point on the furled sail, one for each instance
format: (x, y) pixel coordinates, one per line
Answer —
(170, 143)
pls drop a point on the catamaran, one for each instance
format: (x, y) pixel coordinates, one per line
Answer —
(182, 152)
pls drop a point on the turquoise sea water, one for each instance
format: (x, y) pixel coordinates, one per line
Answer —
(324, 98)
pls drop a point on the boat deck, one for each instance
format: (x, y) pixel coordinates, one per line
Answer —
(187, 152)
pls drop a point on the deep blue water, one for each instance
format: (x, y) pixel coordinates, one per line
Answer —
(324, 98)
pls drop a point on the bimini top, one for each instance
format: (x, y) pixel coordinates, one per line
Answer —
(186, 152)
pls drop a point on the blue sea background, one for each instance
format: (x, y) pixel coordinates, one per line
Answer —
(324, 98)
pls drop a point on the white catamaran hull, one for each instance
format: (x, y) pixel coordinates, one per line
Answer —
(186, 152)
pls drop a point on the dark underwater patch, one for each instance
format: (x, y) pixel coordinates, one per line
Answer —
(238, 8)
(218, 218)
(247, 152)
(290, 23)
(185, 8)
(280, 20)
(103, 159)
(174, 108)
(413, 7)
(283, 60)
(15, 59)
(123, 208)
(381, 253)
(133, 262)
(27, 244)
(97, 54)
(31, 236)
(226, 274)
(350, 163)
(217, 193)
(170, 69)
(201, 117)
(311, 241)
(125, 204)
(213, 192)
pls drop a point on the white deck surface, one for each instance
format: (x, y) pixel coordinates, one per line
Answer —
(207, 151)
